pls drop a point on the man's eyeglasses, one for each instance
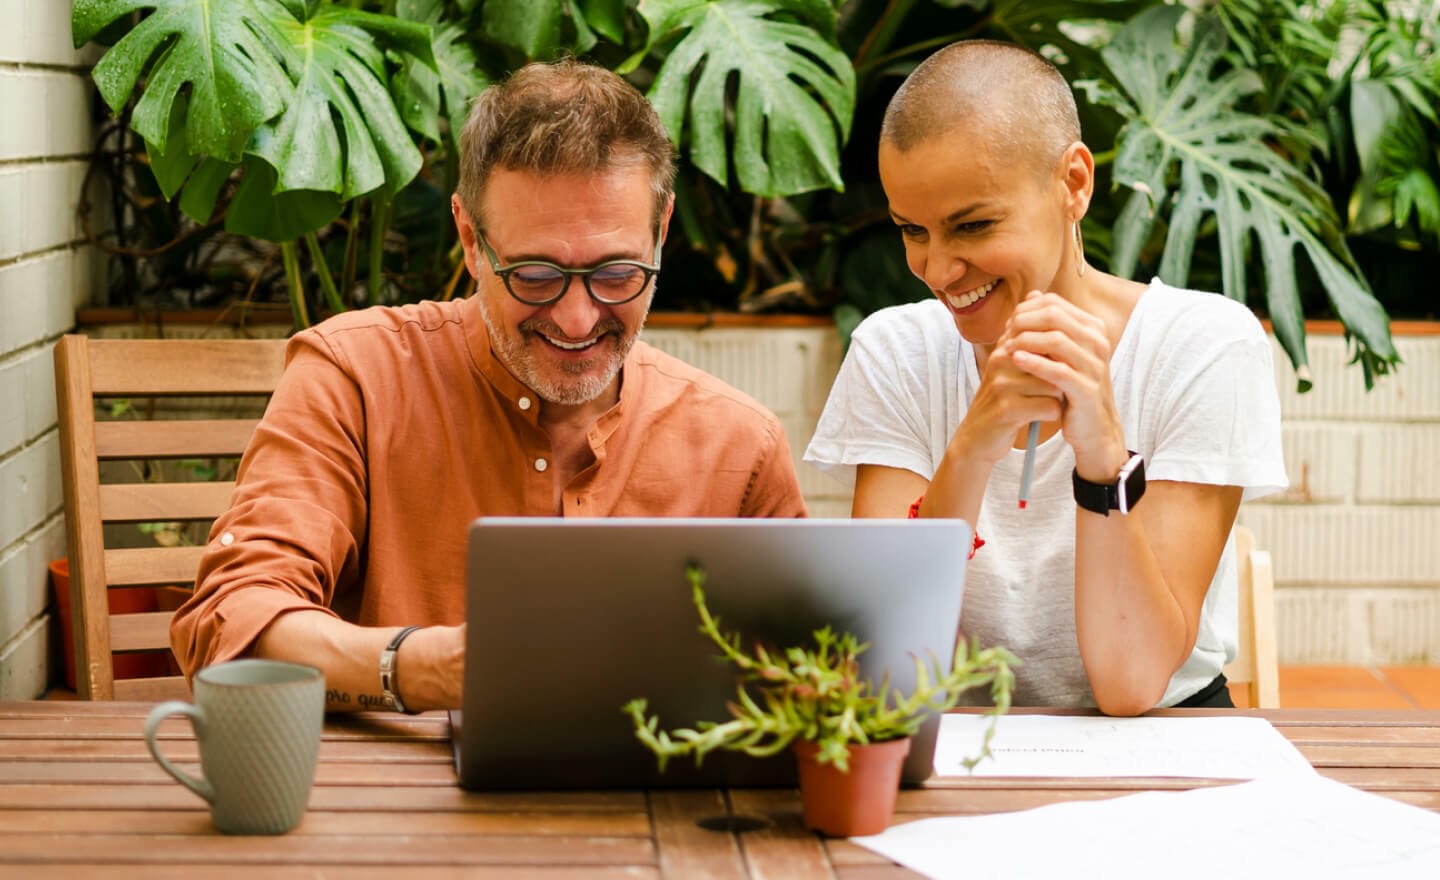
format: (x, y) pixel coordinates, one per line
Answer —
(538, 283)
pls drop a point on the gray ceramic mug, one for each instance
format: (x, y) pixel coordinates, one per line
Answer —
(258, 726)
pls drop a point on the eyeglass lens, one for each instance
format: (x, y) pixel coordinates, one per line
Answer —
(611, 283)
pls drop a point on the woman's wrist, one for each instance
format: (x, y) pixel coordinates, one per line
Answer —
(1102, 462)
(958, 487)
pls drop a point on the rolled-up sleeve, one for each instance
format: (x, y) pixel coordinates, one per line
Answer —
(291, 538)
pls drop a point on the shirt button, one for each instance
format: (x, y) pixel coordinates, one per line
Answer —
(524, 402)
(227, 539)
(541, 464)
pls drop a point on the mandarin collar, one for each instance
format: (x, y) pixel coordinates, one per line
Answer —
(516, 392)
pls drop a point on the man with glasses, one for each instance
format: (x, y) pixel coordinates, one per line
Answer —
(393, 428)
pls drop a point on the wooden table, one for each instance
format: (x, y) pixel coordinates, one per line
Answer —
(78, 790)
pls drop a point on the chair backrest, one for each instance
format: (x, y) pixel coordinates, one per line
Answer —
(87, 373)
(1256, 663)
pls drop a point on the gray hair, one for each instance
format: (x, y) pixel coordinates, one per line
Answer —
(565, 117)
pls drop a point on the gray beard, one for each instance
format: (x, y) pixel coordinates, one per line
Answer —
(519, 357)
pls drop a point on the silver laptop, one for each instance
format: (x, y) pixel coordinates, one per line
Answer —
(569, 619)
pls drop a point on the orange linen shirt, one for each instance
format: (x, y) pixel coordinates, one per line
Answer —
(393, 428)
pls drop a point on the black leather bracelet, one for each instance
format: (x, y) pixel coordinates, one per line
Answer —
(389, 693)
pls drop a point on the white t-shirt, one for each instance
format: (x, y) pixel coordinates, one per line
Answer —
(1194, 387)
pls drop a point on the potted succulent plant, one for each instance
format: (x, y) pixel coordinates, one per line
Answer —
(849, 737)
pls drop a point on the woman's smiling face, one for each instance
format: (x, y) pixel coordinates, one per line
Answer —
(980, 229)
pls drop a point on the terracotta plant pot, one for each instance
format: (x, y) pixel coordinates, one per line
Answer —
(849, 804)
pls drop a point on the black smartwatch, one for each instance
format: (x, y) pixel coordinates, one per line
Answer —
(1120, 495)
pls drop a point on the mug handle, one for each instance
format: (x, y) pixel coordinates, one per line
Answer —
(200, 785)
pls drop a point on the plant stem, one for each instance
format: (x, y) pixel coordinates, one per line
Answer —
(379, 221)
(327, 282)
(455, 276)
(352, 237)
(291, 257)
(881, 60)
(690, 220)
(1104, 158)
(879, 37)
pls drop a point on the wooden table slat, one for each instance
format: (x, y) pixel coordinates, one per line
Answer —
(785, 848)
(686, 849)
(210, 871)
(196, 822)
(359, 798)
(177, 749)
(441, 773)
(330, 849)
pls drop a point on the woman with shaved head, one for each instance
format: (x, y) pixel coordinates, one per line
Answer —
(1157, 413)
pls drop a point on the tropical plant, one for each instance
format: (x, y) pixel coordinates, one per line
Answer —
(300, 101)
(1384, 167)
(1230, 136)
(819, 695)
(1187, 151)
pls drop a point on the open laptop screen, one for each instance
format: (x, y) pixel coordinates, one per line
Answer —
(569, 619)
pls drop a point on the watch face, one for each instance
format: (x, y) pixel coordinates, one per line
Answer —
(1131, 484)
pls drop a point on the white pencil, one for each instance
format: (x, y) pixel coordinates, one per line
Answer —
(1030, 443)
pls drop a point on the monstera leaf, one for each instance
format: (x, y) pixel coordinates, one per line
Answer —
(302, 87)
(794, 96)
(461, 77)
(226, 53)
(258, 211)
(606, 17)
(532, 26)
(455, 79)
(1190, 156)
(1041, 25)
(340, 75)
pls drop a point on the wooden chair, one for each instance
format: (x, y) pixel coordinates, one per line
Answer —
(88, 371)
(1256, 664)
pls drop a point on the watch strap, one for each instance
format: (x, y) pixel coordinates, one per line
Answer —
(389, 693)
(1094, 497)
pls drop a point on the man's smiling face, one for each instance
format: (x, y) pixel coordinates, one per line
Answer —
(569, 352)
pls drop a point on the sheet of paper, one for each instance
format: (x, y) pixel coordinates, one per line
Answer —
(1308, 827)
(1229, 747)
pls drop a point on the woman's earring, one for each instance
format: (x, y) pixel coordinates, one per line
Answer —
(1079, 250)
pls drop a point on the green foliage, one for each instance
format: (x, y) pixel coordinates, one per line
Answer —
(1394, 129)
(1187, 151)
(795, 99)
(224, 52)
(309, 96)
(1241, 145)
(819, 695)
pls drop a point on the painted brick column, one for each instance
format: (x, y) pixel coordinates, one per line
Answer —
(45, 270)
(789, 370)
(1356, 539)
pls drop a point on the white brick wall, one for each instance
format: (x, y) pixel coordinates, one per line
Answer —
(33, 295)
(1356, 539)
(37, 32)
(45, 271)
(39, 200)
(62, 131)
(789, 370)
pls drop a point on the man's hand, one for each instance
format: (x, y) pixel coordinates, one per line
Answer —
(430, 668)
